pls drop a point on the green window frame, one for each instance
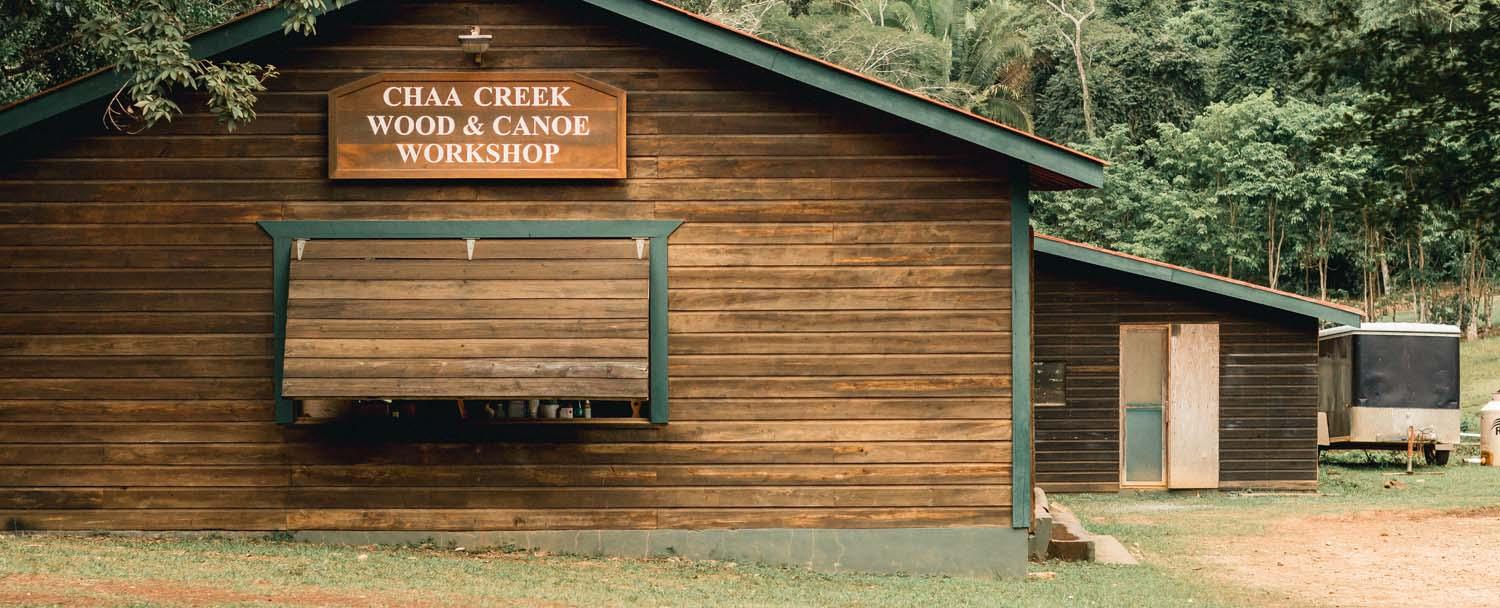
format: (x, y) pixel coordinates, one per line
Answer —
(285, 233)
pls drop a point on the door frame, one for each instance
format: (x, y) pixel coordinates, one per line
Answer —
(1166, 400)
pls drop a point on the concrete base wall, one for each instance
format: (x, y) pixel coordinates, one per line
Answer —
(967, 552)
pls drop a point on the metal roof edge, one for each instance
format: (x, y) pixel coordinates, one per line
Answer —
(1203, 281)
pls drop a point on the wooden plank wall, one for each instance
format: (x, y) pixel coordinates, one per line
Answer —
(1268, 380)
(839, 308)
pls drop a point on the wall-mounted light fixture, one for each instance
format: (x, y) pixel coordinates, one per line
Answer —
(475, 43)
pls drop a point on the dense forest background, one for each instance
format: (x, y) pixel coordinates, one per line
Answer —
(1338, 148)
(1343, 149)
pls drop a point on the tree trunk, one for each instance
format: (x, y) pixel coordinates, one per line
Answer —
(1385, 265)
(1076, 41)
(1323, 278)
(1325, 227)
(1229, 251)
(1416, 298)
(1083, 79)
(1368, 267)
(1271, 246)
(1424, 293)
(1486, 295)
(1468, 291)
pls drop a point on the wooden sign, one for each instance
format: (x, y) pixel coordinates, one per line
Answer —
(480, 125)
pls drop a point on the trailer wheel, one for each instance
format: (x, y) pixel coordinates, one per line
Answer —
(1434, 456)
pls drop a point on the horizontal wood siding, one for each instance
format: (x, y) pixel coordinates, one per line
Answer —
(1267, 378)
(839, 307)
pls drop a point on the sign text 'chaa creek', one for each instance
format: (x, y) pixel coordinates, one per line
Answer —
(503, 125)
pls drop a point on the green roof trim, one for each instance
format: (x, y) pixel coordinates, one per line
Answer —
(810, 71)
(1202, 281)
(104, 83)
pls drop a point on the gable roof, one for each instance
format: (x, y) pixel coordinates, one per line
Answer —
(1197, 279)
(1053, 166)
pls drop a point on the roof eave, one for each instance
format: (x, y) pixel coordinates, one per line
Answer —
(1202, 282)
(1078, 170)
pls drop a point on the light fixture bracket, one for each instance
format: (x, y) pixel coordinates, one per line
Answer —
(475, 43)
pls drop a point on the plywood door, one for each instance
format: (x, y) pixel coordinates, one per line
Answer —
(1193, 410)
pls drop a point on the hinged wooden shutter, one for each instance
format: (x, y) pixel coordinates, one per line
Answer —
(525, 318)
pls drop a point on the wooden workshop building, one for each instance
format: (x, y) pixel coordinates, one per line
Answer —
(796, 300)
(1153, 376)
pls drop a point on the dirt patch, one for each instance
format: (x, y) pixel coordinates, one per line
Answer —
(1370, 559)
(41, 589)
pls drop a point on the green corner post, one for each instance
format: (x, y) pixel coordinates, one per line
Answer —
(1020, 344)
(657, 302)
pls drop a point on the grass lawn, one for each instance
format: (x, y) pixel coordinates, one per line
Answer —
(124, 571)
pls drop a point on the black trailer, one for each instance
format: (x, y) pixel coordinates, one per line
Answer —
(1383, 385)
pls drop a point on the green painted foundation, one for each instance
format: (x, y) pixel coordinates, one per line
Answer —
(987, 552)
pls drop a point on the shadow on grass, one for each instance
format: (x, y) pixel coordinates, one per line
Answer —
(1374, 460)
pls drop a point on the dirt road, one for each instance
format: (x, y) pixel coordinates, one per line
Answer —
(1369, 559)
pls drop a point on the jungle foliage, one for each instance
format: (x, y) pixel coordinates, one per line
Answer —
(1338, 148)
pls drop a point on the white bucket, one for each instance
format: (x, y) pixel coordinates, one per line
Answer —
(1489, 433)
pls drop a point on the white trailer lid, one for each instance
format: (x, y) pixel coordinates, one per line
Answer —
(1392, 329)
